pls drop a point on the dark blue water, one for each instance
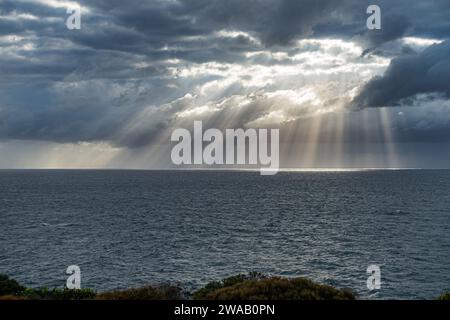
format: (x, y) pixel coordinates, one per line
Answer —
(129, 228)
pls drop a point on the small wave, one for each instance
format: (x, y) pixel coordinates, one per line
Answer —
(397, 212)
(45, 224)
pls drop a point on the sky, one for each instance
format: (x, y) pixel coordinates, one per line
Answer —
(110, 94)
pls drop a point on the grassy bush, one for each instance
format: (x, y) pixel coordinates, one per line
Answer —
(253, 286)
(227, 282)
(9, 286)
(145, 293)
(13, 298)
(274, 288)
(10, 289)
(444, 296)
(58, 294)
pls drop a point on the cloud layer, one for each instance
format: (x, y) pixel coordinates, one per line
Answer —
(138, 69)
(409, 75)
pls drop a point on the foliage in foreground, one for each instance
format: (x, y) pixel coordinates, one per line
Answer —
(444, 296)
(58, 294)
(213, 286)
(144, 293)
(274, 288)
(9, 287)
(254, 286)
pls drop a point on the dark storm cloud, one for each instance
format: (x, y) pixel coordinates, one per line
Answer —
(143, 26)
(273, 22)
(394, 27)
(185, 29)
(408, 75)
(92, 84)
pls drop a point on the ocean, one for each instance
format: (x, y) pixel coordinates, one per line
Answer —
(131, 228)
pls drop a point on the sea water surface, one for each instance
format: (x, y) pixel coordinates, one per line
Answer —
(131, 228)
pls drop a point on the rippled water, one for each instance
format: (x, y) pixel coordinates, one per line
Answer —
(129, 228)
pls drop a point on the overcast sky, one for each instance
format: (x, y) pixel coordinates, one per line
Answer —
(109, 95)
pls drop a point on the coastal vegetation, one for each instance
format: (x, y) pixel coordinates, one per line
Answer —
(252, 286)
(9, 286)
(163, 292)
(259, 287)
(444, 296)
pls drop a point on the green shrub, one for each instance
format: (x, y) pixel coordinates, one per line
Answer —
(13, 298)
(165, 292)
(275, 288)
(9, 286)
(444, 296)
(254, 286)
(58, 294)
(227, 282)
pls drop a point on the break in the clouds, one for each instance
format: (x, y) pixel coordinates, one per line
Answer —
(116, 89)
